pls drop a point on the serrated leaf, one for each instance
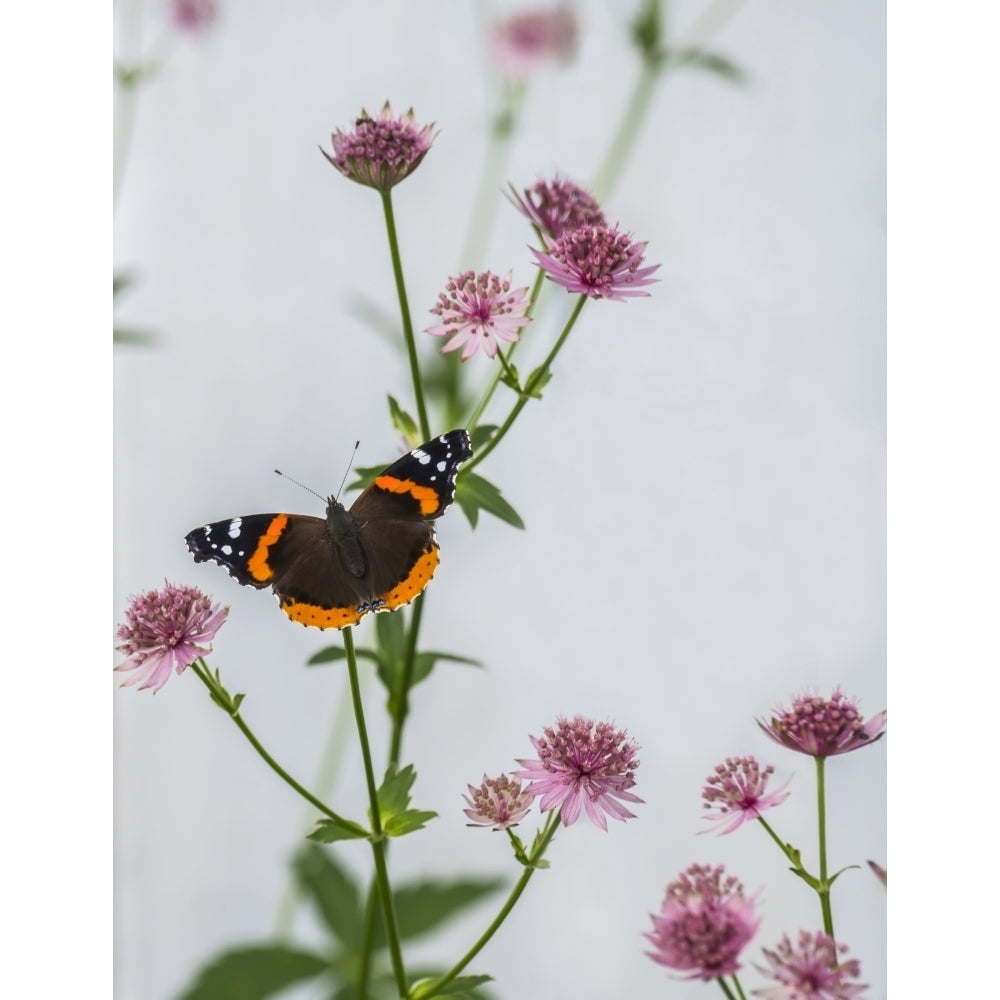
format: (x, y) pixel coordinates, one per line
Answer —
(407, 821)
(329, 831)
(475, 493)
(394, 794)
(460, 986)
(404, 423)
(334, 892)
(254, 972)
(537, 381)
(423, 906)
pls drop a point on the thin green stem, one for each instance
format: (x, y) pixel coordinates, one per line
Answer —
(785, 849)
(377, 838)
(402, 708)
(724, 986)
(536, 855)
(204, 675)
(404, 310)
(537, 377)
(477, 413)
(739, 987)
(824, 891)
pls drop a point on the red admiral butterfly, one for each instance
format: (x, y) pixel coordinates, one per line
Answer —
(329, 572)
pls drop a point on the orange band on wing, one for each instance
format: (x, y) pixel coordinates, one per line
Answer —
(428, 498)
(312, 614)
(257, 564)
(418, 578)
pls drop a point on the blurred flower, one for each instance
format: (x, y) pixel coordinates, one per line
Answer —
(497, 802)
(480, 309)
(597, 261)
(193, 15)
(380, 152)
(582, 763)
(526, 42)
(736, 792)
(811, 970)
(557, 205)
(823, 727)
(704, 924)
(163, 629)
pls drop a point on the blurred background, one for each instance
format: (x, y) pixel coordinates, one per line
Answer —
(703, 485)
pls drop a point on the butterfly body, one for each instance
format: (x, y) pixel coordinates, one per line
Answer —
(330, 571)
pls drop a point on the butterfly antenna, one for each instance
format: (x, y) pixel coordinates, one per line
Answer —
(297, 483)
(347, 472)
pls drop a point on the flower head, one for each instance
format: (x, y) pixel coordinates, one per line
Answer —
(380, 152)
(811, 970)
(479, 309)
(163, 629)
(193, 16)
(823, 727)
(736, 792)
(704, 924)
(497, 802)
(524, 43)
(583, 763)
(597, 261)
(558, 205)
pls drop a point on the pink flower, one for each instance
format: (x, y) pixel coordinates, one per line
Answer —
(526, 42)
(824, 727)
(582, 763)
(736, 792)
(811, 970)
(480, 309)
(557, 205)
(704, 924)
(194, 16)
(497, 802)
(380, 152)
(163, 629)
(597, 261)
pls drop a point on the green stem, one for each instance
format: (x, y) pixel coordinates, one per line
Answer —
(724, 986)
(403, 694)
(739, 987)
(377, 838)
(824, 891)
(477, 413)
(204, 675)
(537, 852)
(785, 849)
(525, 395)
(404, 309)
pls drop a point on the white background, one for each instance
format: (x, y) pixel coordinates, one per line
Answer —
(703, 484)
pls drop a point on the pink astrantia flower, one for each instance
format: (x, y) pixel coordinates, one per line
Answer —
(737, 792)
(811, 970)
(704, 924)
(823, 727)
(163, 630)
(583, 763)
(526, 42)
(557, 205)
(380, 152)
(497, 802)
(194, 16)
(597, 261)
(480, 309)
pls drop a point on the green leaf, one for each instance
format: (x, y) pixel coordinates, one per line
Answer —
(138, 337)
(481, 435)
(334, 892)
(407, 821)
(121, 281)
(404, 423)
(460, 986)
(511, 379)
(394, 795)
(332, 654)
(254, 972)
(423, 906)
(709, 61)
(475, 493)
(424, 664)
(329, 831)
(537, 381)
